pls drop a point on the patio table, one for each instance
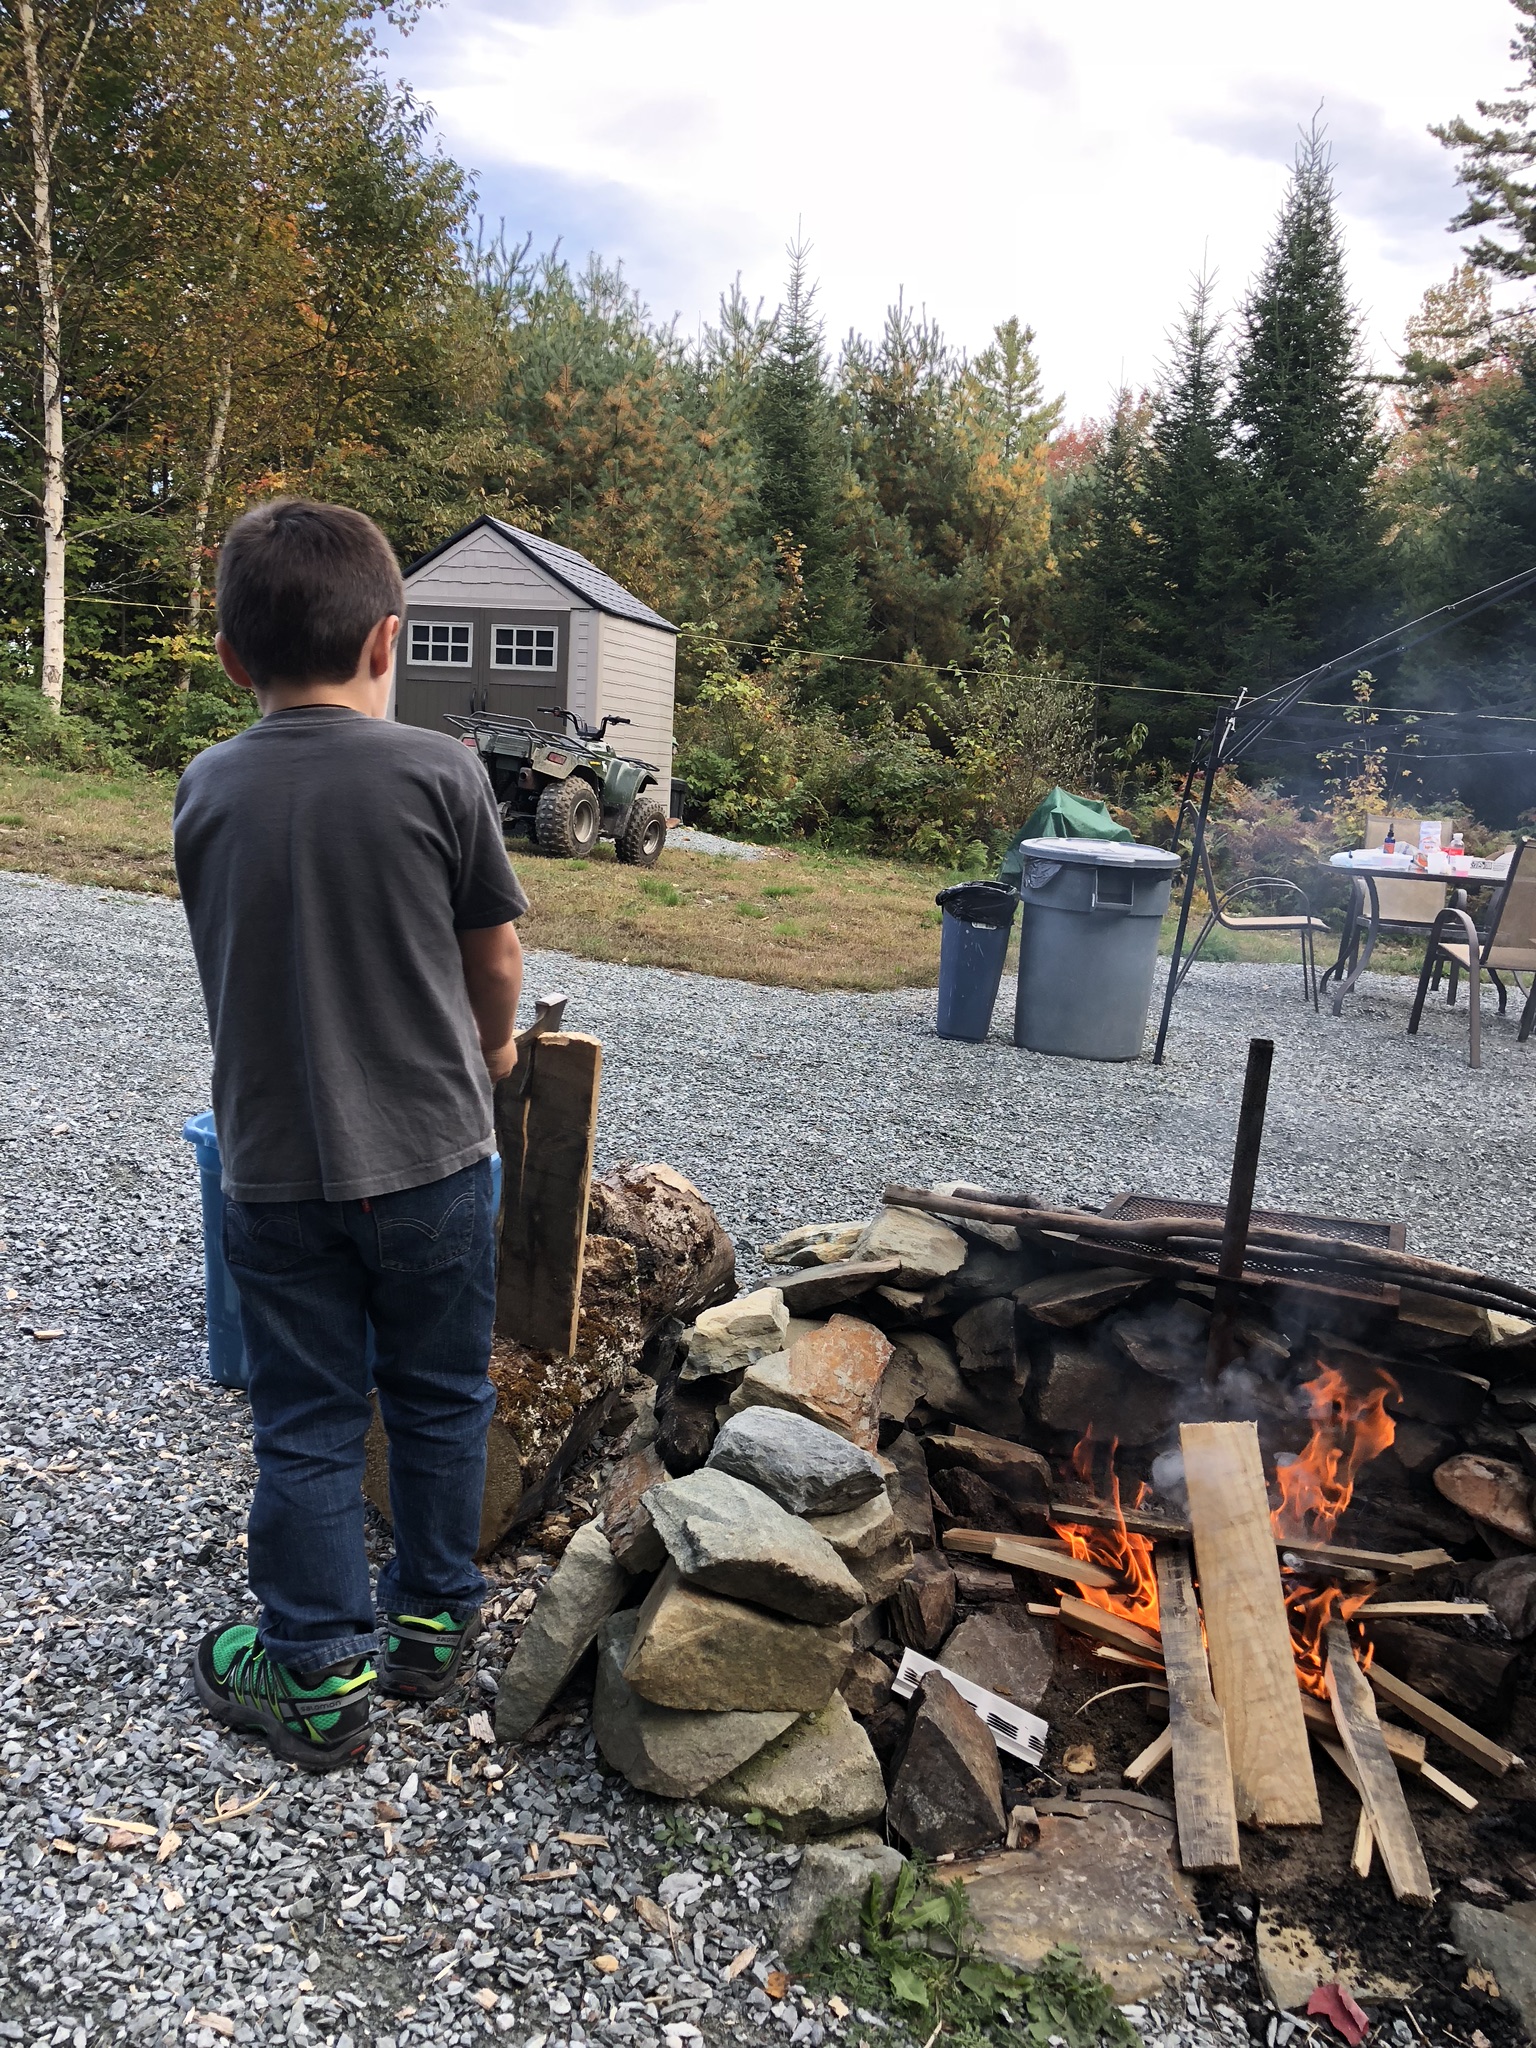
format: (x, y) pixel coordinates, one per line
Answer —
(1364, 868)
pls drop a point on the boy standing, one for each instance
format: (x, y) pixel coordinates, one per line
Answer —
(351, 908)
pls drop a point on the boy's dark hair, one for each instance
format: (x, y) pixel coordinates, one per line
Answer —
(301, 586)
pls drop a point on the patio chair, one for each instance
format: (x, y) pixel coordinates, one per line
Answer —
(1302, 928)
(1507, 942)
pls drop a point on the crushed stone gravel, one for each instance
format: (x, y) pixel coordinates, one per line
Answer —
(162, 1881)
(689, 839)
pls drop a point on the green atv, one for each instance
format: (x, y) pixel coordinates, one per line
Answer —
(567, 793)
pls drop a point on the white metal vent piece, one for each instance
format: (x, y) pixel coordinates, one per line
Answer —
(1011, 1728)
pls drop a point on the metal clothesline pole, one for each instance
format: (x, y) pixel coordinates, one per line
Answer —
(1225, 743)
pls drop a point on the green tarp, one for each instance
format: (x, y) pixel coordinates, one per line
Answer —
(1061, 816)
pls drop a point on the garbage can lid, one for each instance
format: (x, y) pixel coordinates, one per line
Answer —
(989, 903)
(1101, 853)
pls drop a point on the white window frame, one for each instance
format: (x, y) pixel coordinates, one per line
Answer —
(542, 668)
(431, 626)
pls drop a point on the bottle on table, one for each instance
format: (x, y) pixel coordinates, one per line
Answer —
(1460, 861)
(1389, 844)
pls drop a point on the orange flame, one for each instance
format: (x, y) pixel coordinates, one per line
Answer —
(1117, 1550)
(1348, 1431)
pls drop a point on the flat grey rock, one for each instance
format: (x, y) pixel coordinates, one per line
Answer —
(818, 1778)
(1506, 1946)
(1010, 1656)
(667, 1750)
(829, 1889)
(924, 1249)
(730, 1538)
(822, 1287)
(700, 1651)
(587, 1586)
(804, 1466)
(947, 1797)
(734, 1335)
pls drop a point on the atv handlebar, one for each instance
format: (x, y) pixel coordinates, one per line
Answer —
(592, 735)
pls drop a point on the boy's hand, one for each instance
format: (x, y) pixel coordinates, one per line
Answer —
(503, 1061)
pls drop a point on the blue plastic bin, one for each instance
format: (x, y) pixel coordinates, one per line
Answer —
(226, 1346)
(973, 945)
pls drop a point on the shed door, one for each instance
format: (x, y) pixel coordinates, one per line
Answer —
(527, 661)
(440, 664)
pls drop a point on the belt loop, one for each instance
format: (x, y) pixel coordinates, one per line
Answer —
(367, 1206)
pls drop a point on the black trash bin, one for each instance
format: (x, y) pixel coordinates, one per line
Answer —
(973, 946)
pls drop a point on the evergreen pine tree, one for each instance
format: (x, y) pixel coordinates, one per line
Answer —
(800, 471)
(1009, 387)
(1497, 165)
(1307, 437)
(1105, 556)
(1196, 590)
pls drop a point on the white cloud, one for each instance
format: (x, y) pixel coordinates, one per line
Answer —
(1073, 166)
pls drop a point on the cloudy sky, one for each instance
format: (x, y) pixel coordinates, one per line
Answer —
(1071, 163)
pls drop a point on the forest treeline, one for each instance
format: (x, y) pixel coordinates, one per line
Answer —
(235, 262)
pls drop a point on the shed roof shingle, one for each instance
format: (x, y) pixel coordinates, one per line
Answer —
(567, 567)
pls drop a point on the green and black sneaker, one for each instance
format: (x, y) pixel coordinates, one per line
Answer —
(319, 1727)
(423, 1655)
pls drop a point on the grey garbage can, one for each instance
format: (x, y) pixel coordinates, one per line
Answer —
(1092, 910)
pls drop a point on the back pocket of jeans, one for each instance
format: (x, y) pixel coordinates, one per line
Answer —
(263, 1237)
(421, 1229)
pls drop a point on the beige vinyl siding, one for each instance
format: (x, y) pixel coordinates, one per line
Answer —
(582, 670)
(637, 672)
(482, 569)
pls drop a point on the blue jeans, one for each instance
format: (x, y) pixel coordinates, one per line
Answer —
(420, 1267)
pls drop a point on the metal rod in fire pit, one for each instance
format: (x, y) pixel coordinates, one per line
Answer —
(1234, 1236)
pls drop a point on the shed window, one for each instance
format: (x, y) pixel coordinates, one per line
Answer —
(440, 643)
(524, 647)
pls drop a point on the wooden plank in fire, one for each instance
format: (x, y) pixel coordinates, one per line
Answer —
(1104, 1627)
(1202, 1769)
(1253, 1670)
(1381, 1791)
(1491, 1755)
(1026, 1556)
(1164, 1529)
(1405, 1746)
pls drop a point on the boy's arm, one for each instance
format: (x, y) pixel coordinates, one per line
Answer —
(493, 976)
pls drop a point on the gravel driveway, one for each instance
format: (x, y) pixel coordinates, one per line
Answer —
(163, 1882)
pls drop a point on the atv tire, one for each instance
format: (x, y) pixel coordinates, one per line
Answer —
(645, 833)
(568, 820)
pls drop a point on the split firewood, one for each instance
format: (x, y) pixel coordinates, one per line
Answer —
(1439, 1721)
(1163, 1528)
(1423, 1610)
(1104, 1627)
(1381, 1792)
(1405, 1746)
(1448, 1788)
(1026, 1556)
(1248, 1635)
(1152, 1758)
(1204, 1798)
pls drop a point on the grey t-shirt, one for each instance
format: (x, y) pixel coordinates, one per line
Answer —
(326, 861)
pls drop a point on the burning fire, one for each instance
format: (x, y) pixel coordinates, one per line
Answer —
(1348, 1431)
(1117, 1550)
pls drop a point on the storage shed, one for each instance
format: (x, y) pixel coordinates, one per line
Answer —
(501, 620)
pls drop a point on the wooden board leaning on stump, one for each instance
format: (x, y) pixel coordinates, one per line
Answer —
(586, 1274)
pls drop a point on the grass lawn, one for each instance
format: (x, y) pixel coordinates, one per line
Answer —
(802, 919)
